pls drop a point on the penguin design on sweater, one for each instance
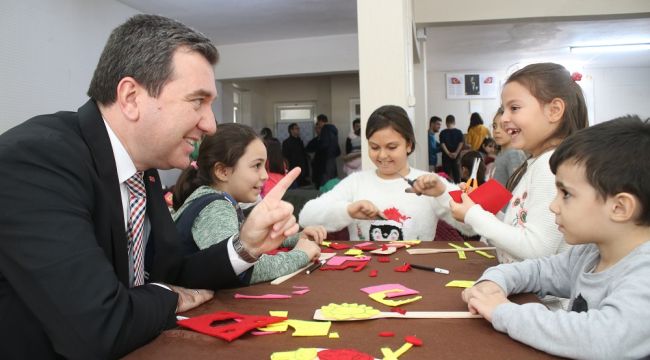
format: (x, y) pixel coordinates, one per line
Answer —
(389, 229)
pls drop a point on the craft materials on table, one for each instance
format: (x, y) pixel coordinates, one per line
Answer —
(353, 312)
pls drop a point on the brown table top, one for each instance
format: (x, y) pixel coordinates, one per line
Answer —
(442, 338)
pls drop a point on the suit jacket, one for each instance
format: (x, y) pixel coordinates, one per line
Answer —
(64, 269)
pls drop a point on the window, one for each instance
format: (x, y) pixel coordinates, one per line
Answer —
(302, 114)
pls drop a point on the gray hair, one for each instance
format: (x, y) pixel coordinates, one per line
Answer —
(143, 48)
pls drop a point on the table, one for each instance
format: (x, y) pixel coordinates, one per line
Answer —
(442, 338)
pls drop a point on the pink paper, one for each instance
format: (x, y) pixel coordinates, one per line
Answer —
(367, 243)
(260, 333)
(265, 296)
(300, 287)
(377, 288)
(300, 292)
(339, 260)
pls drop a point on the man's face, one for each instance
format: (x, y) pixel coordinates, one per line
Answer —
(295, 131)
(170, 125)
(318, 127)
(435, 126)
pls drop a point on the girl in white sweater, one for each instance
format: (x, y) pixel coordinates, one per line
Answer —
(373, 204)
(542, 105)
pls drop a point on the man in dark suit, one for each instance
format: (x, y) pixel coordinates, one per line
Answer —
(293, 149)
(70, 284)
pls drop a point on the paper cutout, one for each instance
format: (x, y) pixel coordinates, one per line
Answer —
(357, 266)
(343, 354)
(339, 260)
(460, 283)
(265, 296)
(390, 355)
(310, 328)
(347, 311)
(413, 340)
(338, 246)
(229, 331)
(492, 196)
(373, 273)
(367, 247)
(300, 292)
(281, 313)
(398, 310)
(354, 252)
(380, 296)
(482, 253)
(394, 290)
(386, 334)
(364, 244)
(277, 327)
(262, 333)
(383, 259)
(403, 268)
(389, 250)
(461, 254)
(300, 354)
(333, 335)
(326, 243)
(278, 250)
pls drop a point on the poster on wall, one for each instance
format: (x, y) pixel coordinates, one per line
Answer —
(471, 85)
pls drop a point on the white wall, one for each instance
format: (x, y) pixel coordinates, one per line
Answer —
(49, 52)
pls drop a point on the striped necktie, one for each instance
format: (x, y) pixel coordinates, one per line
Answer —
(135, 226)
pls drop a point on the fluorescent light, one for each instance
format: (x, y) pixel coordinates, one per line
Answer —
(609, 48)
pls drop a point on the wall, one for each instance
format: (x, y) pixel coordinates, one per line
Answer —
(49, 52)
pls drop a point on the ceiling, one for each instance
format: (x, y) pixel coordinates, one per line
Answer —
(499, 46)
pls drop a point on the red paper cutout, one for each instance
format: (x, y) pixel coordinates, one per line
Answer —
(413, 340)
(383, 259)
(278, 250)
(386, 334)
(231, 331)
(338, 246)
(395, 215)
(492, 196)
(404, 268)
(398, 310)
(357, 265)
(367, 247)
(384, 247)
(373, 273)
(343, 354)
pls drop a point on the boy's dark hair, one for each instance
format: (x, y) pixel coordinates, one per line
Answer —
(450, 119)
(356, 121)
(226, 146)
(603, 150)
(394, 117)
(467, 161)
(434, 119)
(474, 120)
(290, 127)
(322, 118)
(143, 48)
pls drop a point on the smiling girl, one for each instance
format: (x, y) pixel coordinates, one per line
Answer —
(231, 169)
(372, 203)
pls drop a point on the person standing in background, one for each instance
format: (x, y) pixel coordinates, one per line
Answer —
(476, 132)
(293, 150)
(451, 141)
(434, 145)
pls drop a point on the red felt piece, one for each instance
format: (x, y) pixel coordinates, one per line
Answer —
(492, 196)
(343, 354)
(398, 310)
(367, 247)
(278, 250)
(384, 247)
(413, 340)
(338, 246)
(373, 273)
(383, 259)
(230, 331)
(386, 334)
(404, 268)
(357, 265)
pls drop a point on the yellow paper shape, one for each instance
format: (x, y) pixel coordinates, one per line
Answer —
(326, 243)
(310, 328)
(482, 253)
(333, 335)
(461, 254)
(300, 354)
(348, 311)
(460, 283)
(380, 296)
(388, 354)
(276, 327)
(354, 252)
(279, 313)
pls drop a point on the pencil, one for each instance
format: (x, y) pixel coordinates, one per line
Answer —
(429, 268)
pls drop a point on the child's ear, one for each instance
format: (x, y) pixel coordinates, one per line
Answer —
(221, 172)
(623, 207)
(556, 109)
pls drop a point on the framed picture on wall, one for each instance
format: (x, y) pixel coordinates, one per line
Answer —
(471, 85)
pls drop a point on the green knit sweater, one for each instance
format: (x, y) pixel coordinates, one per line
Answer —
(218, 222)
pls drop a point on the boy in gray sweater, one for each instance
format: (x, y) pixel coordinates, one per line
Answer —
(602, 207)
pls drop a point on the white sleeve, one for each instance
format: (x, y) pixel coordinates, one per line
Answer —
(537, 237)
(331, 208)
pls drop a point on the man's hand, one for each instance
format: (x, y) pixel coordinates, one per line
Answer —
(429, 184)
(459, 210)
(483, 298)
(316, 233)
(271, 221)
(363, 210)
(188, 299)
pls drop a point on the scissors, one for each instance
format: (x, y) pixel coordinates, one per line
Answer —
(472, 183)
(410, 182)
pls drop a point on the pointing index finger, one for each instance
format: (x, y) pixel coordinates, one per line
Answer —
(275, 195)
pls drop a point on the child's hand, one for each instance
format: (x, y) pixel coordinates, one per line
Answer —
(429, 184)
(458, 211)
(308, 247)
(483, 298)
(363, 210)
(315, 233)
